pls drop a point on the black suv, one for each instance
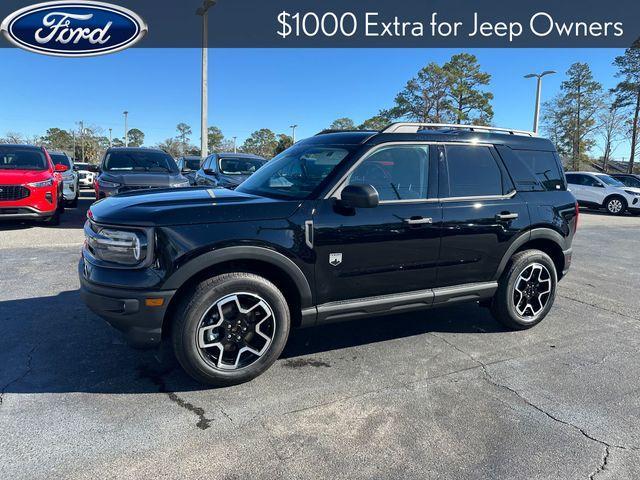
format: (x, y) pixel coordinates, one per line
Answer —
(629, 179)
(340, 226)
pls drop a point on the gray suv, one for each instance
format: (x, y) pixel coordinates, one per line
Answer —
(129, 169)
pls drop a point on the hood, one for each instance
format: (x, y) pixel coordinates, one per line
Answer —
(150, 179)
(232, 180)
(185, 206)
(20, 177)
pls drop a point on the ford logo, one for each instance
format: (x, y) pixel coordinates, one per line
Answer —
(74, 29)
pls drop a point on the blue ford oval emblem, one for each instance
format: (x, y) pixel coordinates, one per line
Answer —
(74, 29)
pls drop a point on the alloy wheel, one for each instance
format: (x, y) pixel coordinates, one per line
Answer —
(532, 291)
(236, 331)
(614, 206)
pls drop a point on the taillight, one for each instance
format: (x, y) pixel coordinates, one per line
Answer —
(577, 215)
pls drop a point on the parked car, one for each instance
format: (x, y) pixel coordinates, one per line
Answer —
(228, 170)
(30, 184)
(628, 179)
(71, 186)
(599, 190)
(131, 169)
(189, 166)
(86, 174)
(340, 226)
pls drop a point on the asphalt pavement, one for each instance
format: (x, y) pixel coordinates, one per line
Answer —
(442, 394)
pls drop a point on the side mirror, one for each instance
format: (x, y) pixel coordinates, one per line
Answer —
(359, 196)
(208, 171)
(61, 168)
(186, 170)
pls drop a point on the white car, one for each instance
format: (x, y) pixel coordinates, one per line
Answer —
(599, 190)
(85, 175)
(71, 187)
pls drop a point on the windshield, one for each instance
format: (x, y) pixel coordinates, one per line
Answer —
(139, 162)
(296, 173)
(240, 166)
(12, 158)
(610, 181)
(192, 163)
(59, 159)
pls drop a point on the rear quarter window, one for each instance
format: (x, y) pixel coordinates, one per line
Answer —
(533, 170)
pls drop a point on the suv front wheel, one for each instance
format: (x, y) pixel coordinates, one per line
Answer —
(526, 290)
(231, 329)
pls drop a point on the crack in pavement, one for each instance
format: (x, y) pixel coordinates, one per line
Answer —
(156, 379)
(599, 307)
(603, 465)
(607, 446)
(23, 375)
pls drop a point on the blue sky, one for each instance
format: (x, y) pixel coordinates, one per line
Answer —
(256, 88)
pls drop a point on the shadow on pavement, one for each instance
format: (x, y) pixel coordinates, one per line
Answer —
(55, 345)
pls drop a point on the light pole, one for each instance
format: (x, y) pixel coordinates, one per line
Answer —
(110, 137)
(293, 132)
(126, 128)
(82, 138)
(204, 122)
(536, 115)
(235, 150)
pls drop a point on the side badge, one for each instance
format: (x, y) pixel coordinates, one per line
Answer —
(335, 259)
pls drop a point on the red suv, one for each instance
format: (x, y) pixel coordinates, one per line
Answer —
(30, 184)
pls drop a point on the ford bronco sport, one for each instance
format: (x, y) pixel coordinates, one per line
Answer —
(343, 225)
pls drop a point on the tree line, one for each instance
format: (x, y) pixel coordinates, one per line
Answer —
(579, 118)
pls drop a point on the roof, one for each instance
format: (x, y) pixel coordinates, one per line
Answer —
(517, 142)
(239, 155)
(20, 145)
(134, 149)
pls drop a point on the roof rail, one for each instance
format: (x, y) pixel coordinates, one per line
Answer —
(339, 130)
(412, 127)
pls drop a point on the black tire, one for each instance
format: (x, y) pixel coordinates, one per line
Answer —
(53, 220)
(615, 205)
(503, 306)
(191, 311)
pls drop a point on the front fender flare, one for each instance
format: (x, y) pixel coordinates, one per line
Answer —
(265, 255)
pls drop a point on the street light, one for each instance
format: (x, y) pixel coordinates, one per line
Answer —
(293, 132)
(126, 129)
(235, 150)
(204, 131)
(110, 137)
(536, 115)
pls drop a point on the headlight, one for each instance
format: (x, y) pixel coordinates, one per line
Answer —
(104, 183)
(635, 194)
(180, 184)
(46, 183)
(67, 176)
(116, 246)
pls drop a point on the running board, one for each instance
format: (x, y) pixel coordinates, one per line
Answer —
(396, 303)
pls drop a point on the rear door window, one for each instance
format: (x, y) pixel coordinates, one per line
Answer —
(473, 172)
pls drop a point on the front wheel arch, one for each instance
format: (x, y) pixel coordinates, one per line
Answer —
(625, 204)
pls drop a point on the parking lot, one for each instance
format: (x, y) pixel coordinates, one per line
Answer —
(445, 394)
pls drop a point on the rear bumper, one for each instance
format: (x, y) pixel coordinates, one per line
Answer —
(126, 310)
(568, 256)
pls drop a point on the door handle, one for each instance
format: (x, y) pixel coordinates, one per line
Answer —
(418, 221)
(506, 216)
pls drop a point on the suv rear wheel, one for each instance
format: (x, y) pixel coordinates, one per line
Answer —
(231, 329)
(526, 290)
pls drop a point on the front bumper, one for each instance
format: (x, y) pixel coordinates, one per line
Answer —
(70, 190)
(126, 310)
(23, 213)
(41, 203)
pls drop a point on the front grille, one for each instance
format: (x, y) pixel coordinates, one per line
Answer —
(13, 192)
